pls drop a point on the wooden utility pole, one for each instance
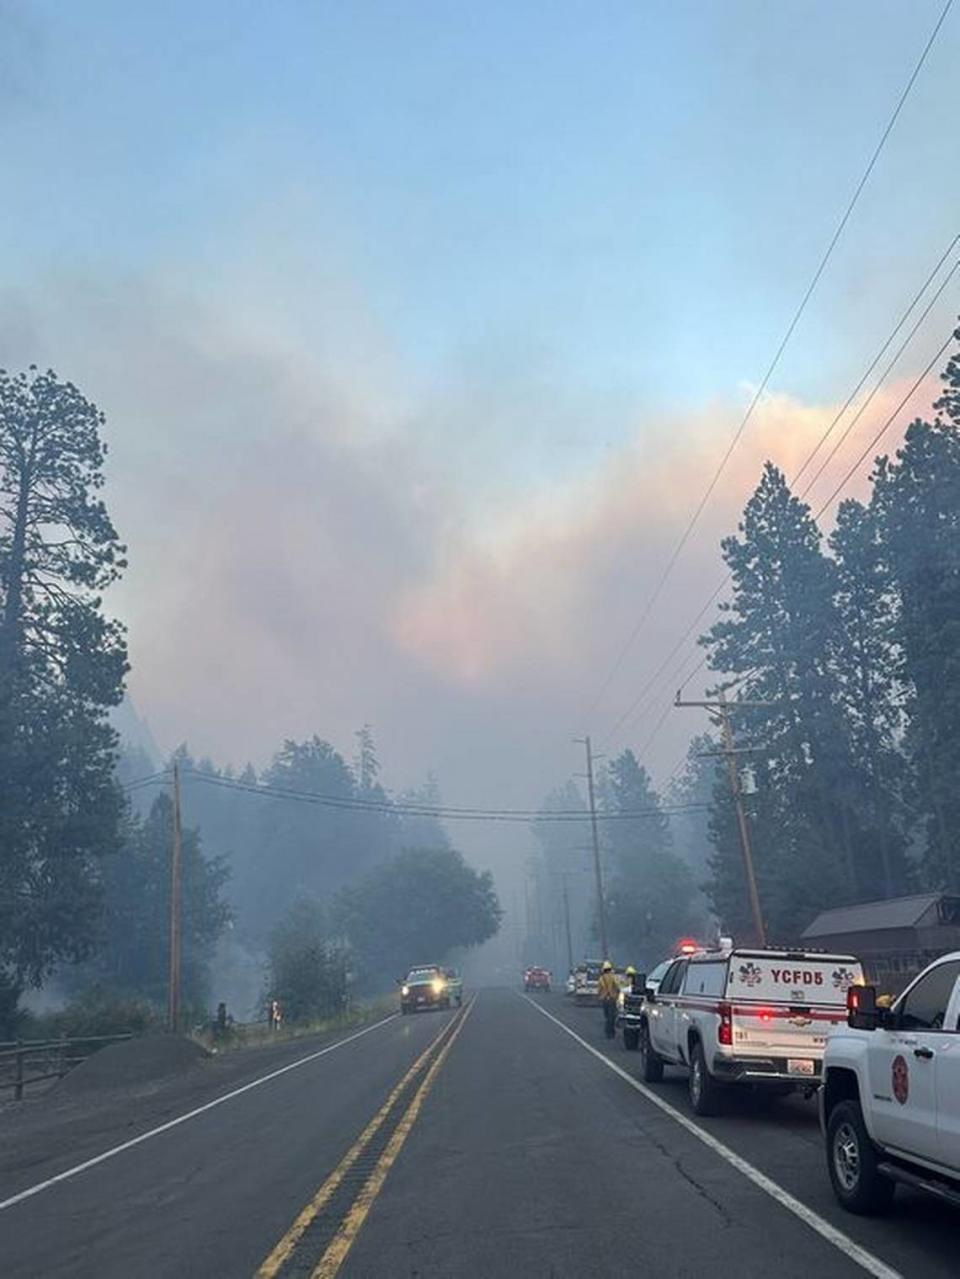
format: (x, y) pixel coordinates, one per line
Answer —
(721, 711)
(176, 905)
(597, 867)
(566, 920)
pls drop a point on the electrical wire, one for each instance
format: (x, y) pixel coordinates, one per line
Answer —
(652, 680)
(828, 253)
(886, 426)
(398, 808)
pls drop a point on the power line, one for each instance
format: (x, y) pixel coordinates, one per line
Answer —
(828, 253)
(886, 425)
(654, 678)
(868, 401)
(152, 780)
(843, 483)
(388, 807)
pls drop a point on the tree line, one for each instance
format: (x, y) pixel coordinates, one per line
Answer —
(850, 642)
(844, 648)
(85, 855)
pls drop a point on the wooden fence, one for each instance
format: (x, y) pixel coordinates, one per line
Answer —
(31, 1061)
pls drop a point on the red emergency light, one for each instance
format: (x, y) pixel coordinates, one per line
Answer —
(687, 947)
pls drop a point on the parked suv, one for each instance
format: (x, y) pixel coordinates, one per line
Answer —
(890, 1103)
(757, 1017)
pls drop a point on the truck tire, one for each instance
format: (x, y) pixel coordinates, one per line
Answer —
(651, 1066)
(852, 1163)
(631, 1038)
(704, 1089)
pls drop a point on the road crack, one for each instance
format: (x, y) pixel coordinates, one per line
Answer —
(688, 1177)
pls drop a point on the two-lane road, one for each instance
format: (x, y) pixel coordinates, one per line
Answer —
(509, 1139)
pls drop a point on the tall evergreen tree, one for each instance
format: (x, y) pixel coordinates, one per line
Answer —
(771, 636)
(62, 665)
(917, 498)
(133, 954)
(651, 892)
(870, 692)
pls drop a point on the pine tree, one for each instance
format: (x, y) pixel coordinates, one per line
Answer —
(651, 893)
(62, 666)
(772, 637)
(917, 497)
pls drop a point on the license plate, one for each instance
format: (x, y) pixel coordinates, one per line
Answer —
(799, 1066)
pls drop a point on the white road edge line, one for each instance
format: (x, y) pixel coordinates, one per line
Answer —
(190, 1114)
(866, 1260)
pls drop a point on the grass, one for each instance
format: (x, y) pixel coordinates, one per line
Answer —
(256, 1034)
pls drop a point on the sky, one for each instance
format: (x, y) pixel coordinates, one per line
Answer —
(420, 328)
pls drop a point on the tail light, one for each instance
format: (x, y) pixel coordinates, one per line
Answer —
(726, 1025)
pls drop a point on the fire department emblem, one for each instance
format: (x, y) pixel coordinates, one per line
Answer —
(901, 1080)
(843, 978)
(751, 974)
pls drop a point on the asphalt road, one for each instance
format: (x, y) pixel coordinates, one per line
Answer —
(486, 1143)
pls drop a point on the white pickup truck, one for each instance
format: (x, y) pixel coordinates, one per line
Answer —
(890, 1102)
(757, 1017)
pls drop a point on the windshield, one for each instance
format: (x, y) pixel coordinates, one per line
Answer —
(478, 480)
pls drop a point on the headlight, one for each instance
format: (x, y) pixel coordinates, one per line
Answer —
(438, 986)
(404, 990)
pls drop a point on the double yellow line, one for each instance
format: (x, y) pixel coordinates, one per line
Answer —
(352, 1222)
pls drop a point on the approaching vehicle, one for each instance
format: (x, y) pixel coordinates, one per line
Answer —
(424, 987)
(630, 1005)
(536, 979)
(890, 1102)
(758, 1017)
(454, 985)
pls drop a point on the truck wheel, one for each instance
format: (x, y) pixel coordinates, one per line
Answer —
(704, 1089)
(651, 1066)
(852, 1162)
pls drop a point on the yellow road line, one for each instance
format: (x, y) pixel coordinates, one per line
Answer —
(350, 1227)
(271, 1266)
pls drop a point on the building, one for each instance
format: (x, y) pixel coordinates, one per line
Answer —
(895, 939)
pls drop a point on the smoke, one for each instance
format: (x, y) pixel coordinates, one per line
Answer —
(309, 551)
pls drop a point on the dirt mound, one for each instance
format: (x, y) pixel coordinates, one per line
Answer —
(133, 1062)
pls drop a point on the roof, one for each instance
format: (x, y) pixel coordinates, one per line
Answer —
(895, 912)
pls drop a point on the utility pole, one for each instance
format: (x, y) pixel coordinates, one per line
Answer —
(597, 868)
(176, 886)
(721, 711)
(566, 920)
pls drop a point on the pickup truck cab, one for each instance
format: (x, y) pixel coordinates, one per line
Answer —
(744, 1016)
(890, 1102)
(630, 1005)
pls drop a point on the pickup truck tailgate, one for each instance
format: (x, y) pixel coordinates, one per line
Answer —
(787, 1006)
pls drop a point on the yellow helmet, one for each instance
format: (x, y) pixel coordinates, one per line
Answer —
(631, 971)
(607, 966)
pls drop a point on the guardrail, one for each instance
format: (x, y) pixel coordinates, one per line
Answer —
(53, 1057)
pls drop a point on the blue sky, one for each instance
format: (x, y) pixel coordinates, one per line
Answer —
(631, 193)
(495, 250)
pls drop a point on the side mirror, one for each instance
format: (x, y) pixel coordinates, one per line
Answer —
(650, 994)
(862, 1010)
(638, 982)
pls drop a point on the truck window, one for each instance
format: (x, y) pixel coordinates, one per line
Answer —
(671, 983)
(706, 979)
(925, 1006)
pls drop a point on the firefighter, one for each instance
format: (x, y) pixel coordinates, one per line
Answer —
(608, 988)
